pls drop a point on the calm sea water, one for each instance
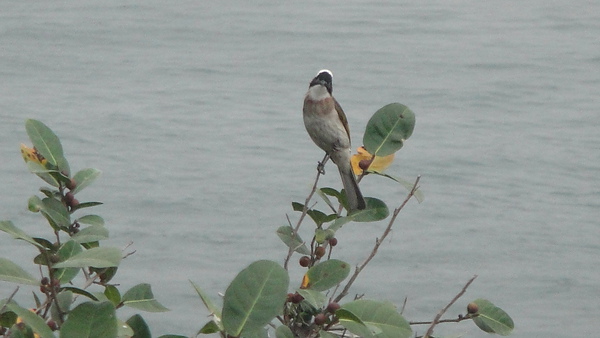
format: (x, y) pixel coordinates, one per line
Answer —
(192, 110)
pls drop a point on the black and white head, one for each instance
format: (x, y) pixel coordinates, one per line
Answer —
(325, 79)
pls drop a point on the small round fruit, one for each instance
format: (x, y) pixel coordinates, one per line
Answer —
(333, 241)
(297, 298)
(364, 164)
(71, 184)
(69, 197)
(333, 307)
(304, 261)
(45, 281)
(52, 325)
(320, 252)
(74, 203)
(320, 319)
(290, 297)
(472, 308)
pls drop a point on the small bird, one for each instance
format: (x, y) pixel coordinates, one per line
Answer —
(327, 126)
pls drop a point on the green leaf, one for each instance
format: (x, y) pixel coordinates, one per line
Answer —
(85, 205)
(210, 327)
(35, 204)
(47, 144)
(139, 326)
(11, 272)
(112, 293)
(212, 308)
(378, 318)
(339, 222)
(376, 210)
(492, 319)
(11, 229)
(388, 128)
(66, 251)
(91, 320)
(172, 336)
(322, 235)
(35, 322)
(327, 274)
(97, 257)
(286, 234)
(65, 299)
(80, 292)
(283, 331)
(85, 177)
(56, 212)
(314, 298)
(92, 233)
(254, 297)
(140, 297)
(91, 220)
(124, 330)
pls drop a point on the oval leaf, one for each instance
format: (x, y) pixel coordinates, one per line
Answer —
(91, 220)
(139, 326)
(378, 318)
(285, 233)
(47, 144)
(11, 272)
(254, 297)
(327, 274)
(92, 233)
(376, 210)
(66, 251)
(388, 128)
(11, 229)
(85, 177)
(91, 320)
(141, 297)
(493, 319)
(56, 212)
(97, 257)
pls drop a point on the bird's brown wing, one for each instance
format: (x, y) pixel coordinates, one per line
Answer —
(342, 116)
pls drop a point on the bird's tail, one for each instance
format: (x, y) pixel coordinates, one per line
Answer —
(355, 198)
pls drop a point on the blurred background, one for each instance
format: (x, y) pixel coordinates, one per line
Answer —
(192, 110)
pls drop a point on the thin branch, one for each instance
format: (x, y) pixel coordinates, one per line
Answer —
(9, 299)
(378, 241)
(458, 319)
(436, 320)
(320, 171)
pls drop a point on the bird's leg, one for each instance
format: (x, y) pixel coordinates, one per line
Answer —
(321, 165)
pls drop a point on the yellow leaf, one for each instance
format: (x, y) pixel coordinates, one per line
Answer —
(368, 162)
(305, 282)
(31, 155)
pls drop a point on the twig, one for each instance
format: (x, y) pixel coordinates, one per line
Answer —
(436, 320)
(320, 171)
(9, 299)
(378, 241)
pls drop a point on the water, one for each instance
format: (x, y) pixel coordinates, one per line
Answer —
(192, 112)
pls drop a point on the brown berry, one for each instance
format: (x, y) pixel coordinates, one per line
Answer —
(472, 308)
(71, 184)
(297, 298)
(364, 164)
(52, 325)
(69, 197)
(320, 319)
(290, 297)
(45, 281)
(320, 252)
(333, 307)
(304, 261)
(74, 203)
(333, 241)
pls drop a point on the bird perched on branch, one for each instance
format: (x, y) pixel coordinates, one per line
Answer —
(327, 126)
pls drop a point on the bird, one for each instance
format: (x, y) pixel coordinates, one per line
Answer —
(327, 126)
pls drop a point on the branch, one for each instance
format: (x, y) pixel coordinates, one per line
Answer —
(437, 320)
(378, 241)
(320, 171)
(9, 299)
